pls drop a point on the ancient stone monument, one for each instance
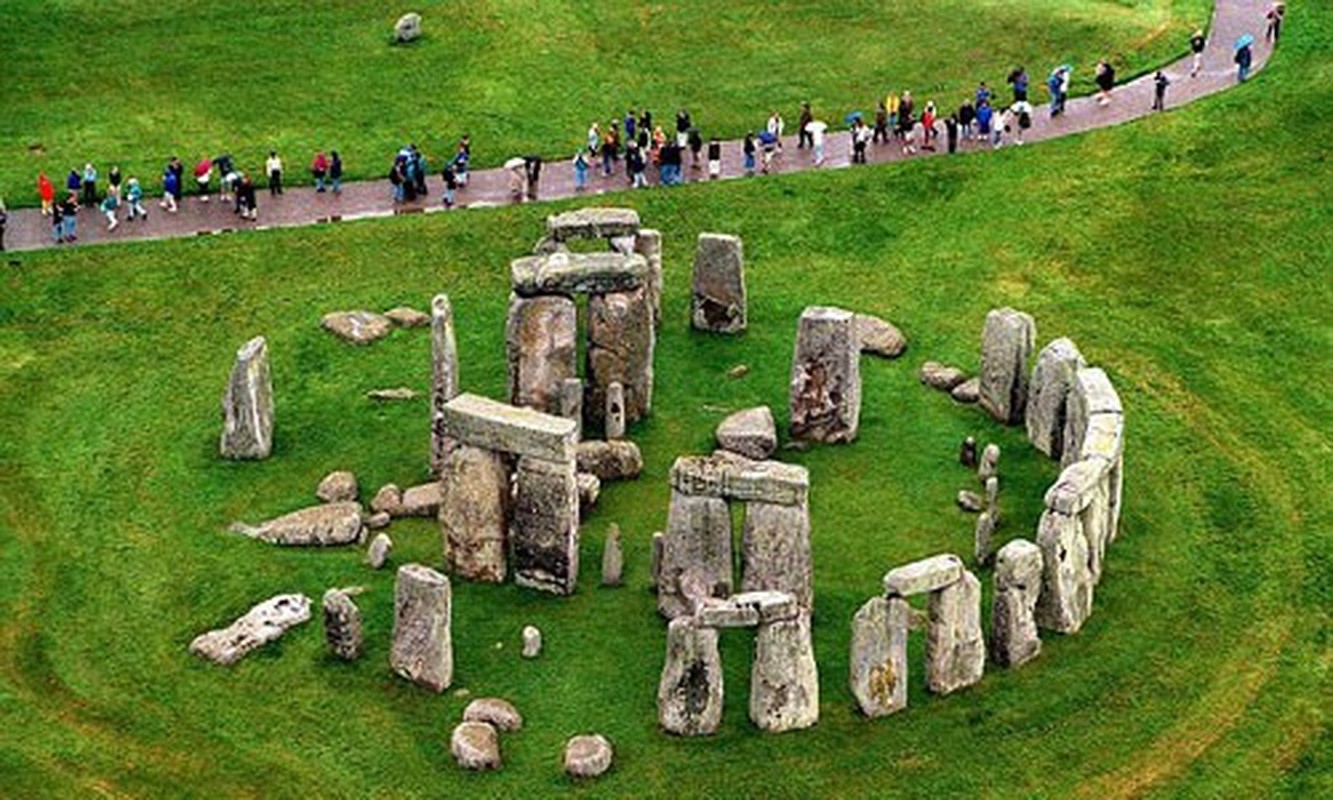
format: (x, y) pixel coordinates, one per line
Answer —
(588, 756)
(342, 624)
(247, 404)
(1006, 348)
(719, 284)
(751, 433)
(689, 695)
(475, 745)
(1014, 638)
(444, 376)
(825, 389)
(1048, 395)
(423, 650)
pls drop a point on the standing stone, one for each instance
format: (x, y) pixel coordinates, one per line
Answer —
(337, 487)
(1014, 638)
(342, 625)
(247, 405)
(588, 756)
(1048, 395)
(989, 465)
(649, 245)
(1066, 582)
(407, 28)
(532, 641)
(752, 433)
(982, 535)
(613, 558)
(380, 549)
(655, 567)
(260, 625)
(967, 453)
(955, 646)
(475, 745)
(825, 388)
(993, 494)
(444, 376)
(423, 650)
(542, 341)
(615, 411)
(879, 656)
(621, 339)
(474, 513)
(544, 527)
(698, 541)
(689, 695)
(775, 551)
(719, 284)
(784, 681)
(1006, 349)
(571, 402)
(1091, 393)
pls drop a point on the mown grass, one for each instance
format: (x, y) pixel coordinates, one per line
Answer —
(1187, 254)
(136, 82)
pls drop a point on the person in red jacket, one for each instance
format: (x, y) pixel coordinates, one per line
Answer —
(319, 168)
(47, 191)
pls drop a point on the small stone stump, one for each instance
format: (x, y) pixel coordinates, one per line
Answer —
(613, 558)
(532, 641)
(475, 745)
(1014, 637)
(588, 756)
(1006, 349)
(422, 649)
(689, 694)
(825, 388)
(719, 284)
(247, 404)
(381, 547)
(407, 28)
(342, 625)
(614, 419)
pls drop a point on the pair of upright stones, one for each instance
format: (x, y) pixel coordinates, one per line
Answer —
(623, 287)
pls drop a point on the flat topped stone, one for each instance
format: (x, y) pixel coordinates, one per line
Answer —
(1073, 491)
(588, 756)
(738, 478)
(577, 273)
(492, 425)
(592, 223)
(748, 609)
(926, 575)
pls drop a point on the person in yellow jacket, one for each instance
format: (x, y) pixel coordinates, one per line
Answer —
(891, 105)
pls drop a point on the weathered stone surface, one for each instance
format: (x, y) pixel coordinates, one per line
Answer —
(325, 525)
(613, 558)
(969, 391)
(993, 494)
(342, 625)
(357, 327)
(387, 500)
(752, 433)
(337, 487)
(577, 273)
(610, 461)
(444, 376)
(927, 575)
(1065, 601)
(423, 650)
(405, 317)
(532, 641)
(658, 547)
(1048, 395)
(879, 656)
(775, 551)
(544, 526)
(1103, 437)
(784, 681)
(982, 534)
(257, 627)
(825, 387)
(970, 501)
(482, 422)
(378, 520)
(719, 284)
(955, 646)
(613, 420)
(571, 402)
(1090, 393)
(420, 501)
(475, 745)
(739, 371)
(698, 540)
(592, 223)
(715, 613)
(381, 547)
(541, 337)
(474, 513)
(939, 376)
(689, 694)
(748, 609)
(737, 478)
(1076, 487)
(879, 337)
(1006, 349)
(649, 245)
(495, 711)
(400, 393)
(590, 487)
(621, 340)
(407, 28)
(967, 453)
(1014, 638)
(588, 756)
(989, 465)
(247, 404)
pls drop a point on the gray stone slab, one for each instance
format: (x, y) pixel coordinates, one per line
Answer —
(1067, 586)
(775, 551)
(737, 478)
(784, 679)
(479, 421)
(247, 404)
(719, 284)
(696, 549)
(824, 392)
(1048, 395)
(955, 645)
(878, 661)
(1006, 350)
(927, 575)
(423, 650)
(592, 223)
(541, 340)
(690, 691)
(621, 344)
(1091, 393)
(577, 273)
(544, 526)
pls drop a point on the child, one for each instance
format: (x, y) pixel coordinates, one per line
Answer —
(714, 158)
(450, 185)
(134, 199)
(109, 206)
(171, 184)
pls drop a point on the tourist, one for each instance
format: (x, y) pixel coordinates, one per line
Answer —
(645, 128)
(532, 173)
(951, 133)
(614, 130)
(983, 94)
(273, 169)
(203, 173)
(659, 139)
(450, 179)
(906, 115)
(928, 132)
(462, 160)
(769, 142)
(1159, 83)
(985, 116)
(1274, 16)
(89, 185)
(113, 180)
(69, 212)
(631, 126)
(861, 137)
(245, 195)
(1004, 124)
(1018, 79)
(683, 126)
(1022, 115)
(171, 187)
(1105, 79)
(802, 124)
(74, 182)
(57, 223)
(227, 176)
(398, 179)
(1244, 60)
(747, 152)
(881, 132)
(818, 131)
(1055, 87)
(608, 153)
(1197, 43)
(134, 200)
(420, 169)
(336, 172)
(696, 140)
(636, 165)
(775, 126)
(580, 170)
(715, 156)
(891, 105)
(109, 206)
(671, 163)
(319, 169)
(908, 138)
(967, 115)
(47, 192)
(4, 219)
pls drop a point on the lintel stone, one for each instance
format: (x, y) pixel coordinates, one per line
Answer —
(927, 575)
(486, 423)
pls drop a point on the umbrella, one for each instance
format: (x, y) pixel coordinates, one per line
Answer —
(816, 126)
(514, 163)
(852, 117)
(1244, 41)
(1062, 68)
(767, 138)
(1021, 107)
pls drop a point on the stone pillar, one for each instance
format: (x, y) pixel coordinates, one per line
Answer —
(444, 376)
(423, 650)
(613, 558)
(955, 646)
(541, 337)
(247, 404)
(614, 419)
(544, 526)
(655, 566)
(982, 535)
(1091, 393)
(1014, 638)
(571, 401)
(1103, 440)
(1006, 349)
(342, 625)
(1066, 582)
(775, 551)
(879, 656)
(1048, 395)
(474, 513)
(719, 284)
(648, 244)
(620, 349)
(825, 389)
(689, 695)
(784, 681)
(697, 541)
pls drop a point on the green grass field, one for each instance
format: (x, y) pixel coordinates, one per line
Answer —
(136, 82)
(1187, 254)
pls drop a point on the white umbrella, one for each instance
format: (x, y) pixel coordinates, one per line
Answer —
(514, 163)
(816, 126)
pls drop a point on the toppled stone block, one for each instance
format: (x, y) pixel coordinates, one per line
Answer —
(357, 327)
(588, 756)
(610, 461)
(879, 337)
(939, 376)
(337, 487)
(495, 711)
(326, 525)
(388, 500)
(405, 317)
(577, 273)
(247, 404)
(481, 422)
(967, 392)
(420, 501)
(260, 625)
(927, 575)
(475, 745)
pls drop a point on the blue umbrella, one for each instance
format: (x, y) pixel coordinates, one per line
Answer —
(1244, 41)
(767, 138)
(852, 117)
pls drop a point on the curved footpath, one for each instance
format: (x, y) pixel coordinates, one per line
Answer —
(29, 230)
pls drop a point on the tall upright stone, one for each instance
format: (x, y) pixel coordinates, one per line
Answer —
(342, 624)
(775, 551)
(825, 388)
(879, 656)
(544, 527)
(1048, 395)
(1014, 638)
(1006, 349)
(689, 694)
(648, 244)
(423, 650)
(1065, 601)
(613, 558)
(474, 513)
(955, 645)
(247, 404)
(444, 376)
(719, 284)
(697, 543)
(621, 339)
(541, 336)
(784, 680)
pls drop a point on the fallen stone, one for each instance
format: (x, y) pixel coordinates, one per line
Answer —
(379, 551)
(1006, 350)
(592, 223)
(879, 656)
(541, 337)
(475, 745)
(357, 327)
(422, 650)
(577, 273)
(247, 404)
(1014, 638)
(481, 422)
(621, 343)
(825, 386)
(337, 487)
(532, 642)
(737, 478)
(938, 376)
(420, 501)
(544, 526)
(324, 525)
(955, 646)
(879, 337)
(407, 28)
(784, 680)
(927, 575)
(970, 501)
(738, 371)
(474, 514)
(495, 711)
(444, 376)
(402, 393)
(689, 694)
(376, 521)
(587, 756)
(969, 391)
(614, 419)
(610, 461)
(262, 624)
(405, 317)
(775, 551)
(342, 625)
(387, 500)
(719, 284)
(752, 433)
(1048, 395)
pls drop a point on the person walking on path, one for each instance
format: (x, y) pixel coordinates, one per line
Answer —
(1197, 44)
(134, 200)
(532, 172)
(985, 116)
(906, 109)
(47, 192)
(891, 105)
(608, 153)
(113, 179)
(636, 165)
(683, 125)
(227, 177)
(818, 131)
(1244, 58)
(631, 126)
(696, 145)
(245, 194)
(57, 223)
(881, 132)
(74, 182)
(319, 170)
(928, 132)
(463, 160)
(861, 135)
(89, 185)
(747, 152)
(171, 187)
(775, 126)
(1018, 79)
(336, 172)
(594, 138)
(203, 173)
(715, 154)
(1057, 85)
(109, 206)
(1105, 79)
(1159, 84)
(967, 115)
(69, 213)
(951, 133)
(451, 184)
(1274, 17)
(580, 170)
(802, 127)
(273, 169)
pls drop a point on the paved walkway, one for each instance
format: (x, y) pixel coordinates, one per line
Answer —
(29, 230)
